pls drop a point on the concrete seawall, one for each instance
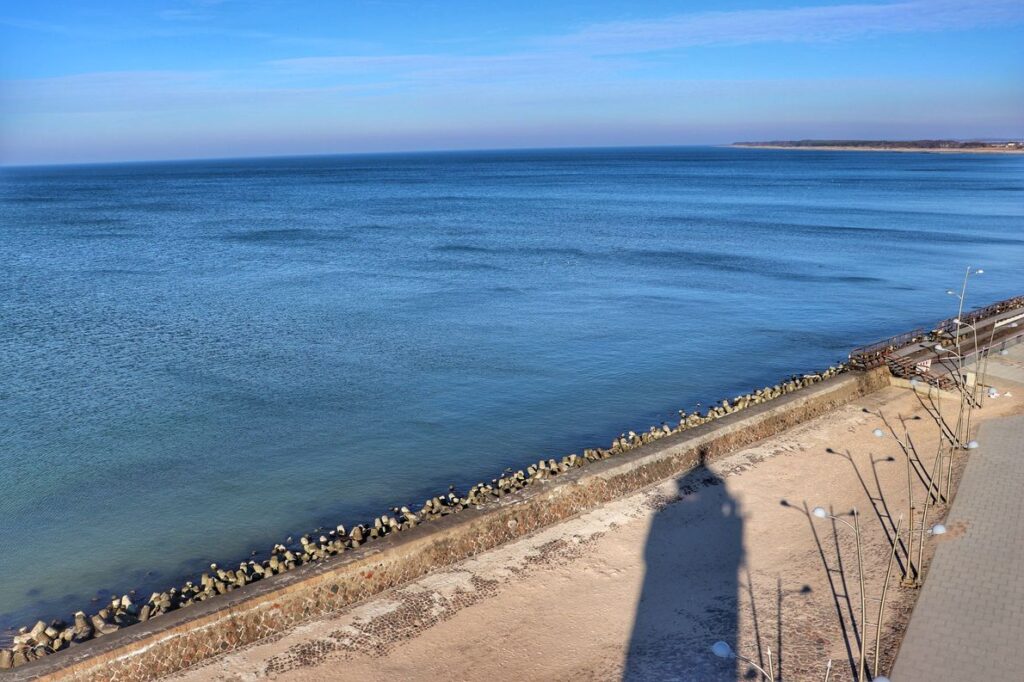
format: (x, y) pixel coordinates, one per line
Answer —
(265, 608)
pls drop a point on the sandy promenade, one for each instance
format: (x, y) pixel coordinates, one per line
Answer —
(640, 588)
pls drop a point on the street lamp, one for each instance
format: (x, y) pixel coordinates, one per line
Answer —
(912, 575)
(970, 326)
(979, 376)
(983, 361)
(940, 349)
(723, 650)
(958, 435)
(963, 295)
(822, 514)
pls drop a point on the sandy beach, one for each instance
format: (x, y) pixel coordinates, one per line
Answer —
(827, 148)
(640, 588)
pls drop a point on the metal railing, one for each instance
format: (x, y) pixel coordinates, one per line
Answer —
(877, 353)
(973, 317)
(874, 354)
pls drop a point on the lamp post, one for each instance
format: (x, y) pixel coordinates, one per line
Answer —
(820, 513)
(983, 361)
(970, 326)
(962, 296)
(977, 349)
(988, 352)
(954, 442)
(723, 650)
(912, 577)
(958, 381)
(982, 366)
(958, 436)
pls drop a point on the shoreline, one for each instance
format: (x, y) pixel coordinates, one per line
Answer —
(508, 507)
(315, 550)
(773, 586)
(189, 632)
(923, 150)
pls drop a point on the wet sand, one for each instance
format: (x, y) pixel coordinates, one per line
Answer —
(640, 588)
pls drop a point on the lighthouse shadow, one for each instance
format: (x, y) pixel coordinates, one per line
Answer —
(689, 599)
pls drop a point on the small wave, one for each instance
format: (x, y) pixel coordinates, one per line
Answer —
(559, 251)
(709, 260)
(119, 272)
(32, 200)
(285, 236)
(79, 221)
(466, 248)
(455, 264)
(109, 234)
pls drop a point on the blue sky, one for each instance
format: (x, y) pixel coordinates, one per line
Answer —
(127, 80)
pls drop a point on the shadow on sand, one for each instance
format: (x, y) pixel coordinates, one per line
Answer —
(689, 600)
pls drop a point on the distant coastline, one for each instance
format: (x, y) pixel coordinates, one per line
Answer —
(933, 146)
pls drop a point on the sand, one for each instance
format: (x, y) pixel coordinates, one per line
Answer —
(640, 588)
(925, 150)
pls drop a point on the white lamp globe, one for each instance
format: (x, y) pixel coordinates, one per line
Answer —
(722, 650)
(820, 512)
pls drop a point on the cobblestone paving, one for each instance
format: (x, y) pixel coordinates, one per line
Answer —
(969, 621)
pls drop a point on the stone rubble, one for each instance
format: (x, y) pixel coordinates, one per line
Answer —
(43, 639)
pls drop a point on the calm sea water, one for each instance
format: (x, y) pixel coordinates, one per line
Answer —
(200, 359)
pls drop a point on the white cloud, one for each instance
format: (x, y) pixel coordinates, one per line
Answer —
(608, 47)
(599, 74)
(796, 24)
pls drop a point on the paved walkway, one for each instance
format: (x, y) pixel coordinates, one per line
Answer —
(969, 621)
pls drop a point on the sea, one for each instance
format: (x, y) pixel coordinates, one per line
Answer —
(199, 359)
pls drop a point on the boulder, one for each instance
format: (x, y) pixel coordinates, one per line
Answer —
(37, 629)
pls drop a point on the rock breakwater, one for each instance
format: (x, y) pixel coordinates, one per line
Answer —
(43, 639)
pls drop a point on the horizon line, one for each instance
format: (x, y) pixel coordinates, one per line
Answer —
(396, 152)
(450, 150)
